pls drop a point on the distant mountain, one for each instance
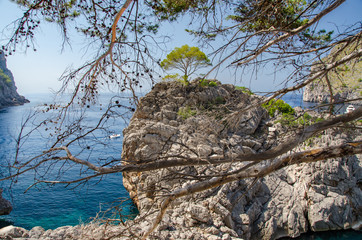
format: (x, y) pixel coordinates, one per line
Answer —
(346, 80)
(8, 93)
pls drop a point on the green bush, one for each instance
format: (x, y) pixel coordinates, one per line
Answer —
(175, 77)
(5, 77)
(273, 105)
(207, 83)
(244, 90)
(219, 100)
(186, 112)
(305, 120)
(212, 84)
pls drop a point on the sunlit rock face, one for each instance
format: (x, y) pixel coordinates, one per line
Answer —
(8, 93)
(214, 122)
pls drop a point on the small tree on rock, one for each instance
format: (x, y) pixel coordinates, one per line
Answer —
(186, 59)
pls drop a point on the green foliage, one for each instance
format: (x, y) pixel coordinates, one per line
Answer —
(185, 59)
(175, 77)
(278, 105)
(343, 68)
(171, 77)
(212, 84)
(219, 100)
(207, 83)
(280, 15)
(277, 14)
(291, 121)
(320, 38)
(5, 77)
(244, 90)
(171, 9)
(186, 112)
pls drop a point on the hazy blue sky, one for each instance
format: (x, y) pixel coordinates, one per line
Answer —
(37, 72)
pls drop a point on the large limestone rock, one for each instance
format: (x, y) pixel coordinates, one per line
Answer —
(175, 120)
(194, 121)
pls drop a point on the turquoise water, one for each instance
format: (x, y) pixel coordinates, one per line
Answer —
(58, 205)
(332, 235)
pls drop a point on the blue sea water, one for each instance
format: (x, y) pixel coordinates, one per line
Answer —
(295, 99)
(57, 205)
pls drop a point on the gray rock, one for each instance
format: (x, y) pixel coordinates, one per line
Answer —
(284, 203)
(11, 232)
(36, 232)
(5, 205)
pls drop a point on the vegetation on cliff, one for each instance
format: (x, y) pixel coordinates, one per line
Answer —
(5, 78)
(186, 59)
(342, 83)
(8, 93)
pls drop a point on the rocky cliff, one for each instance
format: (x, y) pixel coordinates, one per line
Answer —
(8, 93)
(346, 81)
(318, 92)
(197, 121)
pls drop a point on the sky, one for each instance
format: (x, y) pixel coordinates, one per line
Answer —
(38, 72)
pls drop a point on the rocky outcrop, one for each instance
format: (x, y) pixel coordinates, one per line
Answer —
(318, 92)
(5, 205)
(8, 93)
(196, 121)
(345, 80)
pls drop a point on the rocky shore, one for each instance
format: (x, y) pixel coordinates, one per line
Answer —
(195, 121)
(8, 94)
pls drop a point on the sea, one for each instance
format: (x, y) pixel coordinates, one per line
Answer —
(52, 206)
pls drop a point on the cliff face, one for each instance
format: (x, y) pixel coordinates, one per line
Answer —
(8, 93)
(318, 92)
(346, 81)
(190, 122)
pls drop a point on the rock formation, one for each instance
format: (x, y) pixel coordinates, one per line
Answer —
(191, 121)
(5, 205)
(345, 80)
(8, 93)
(318, 92)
